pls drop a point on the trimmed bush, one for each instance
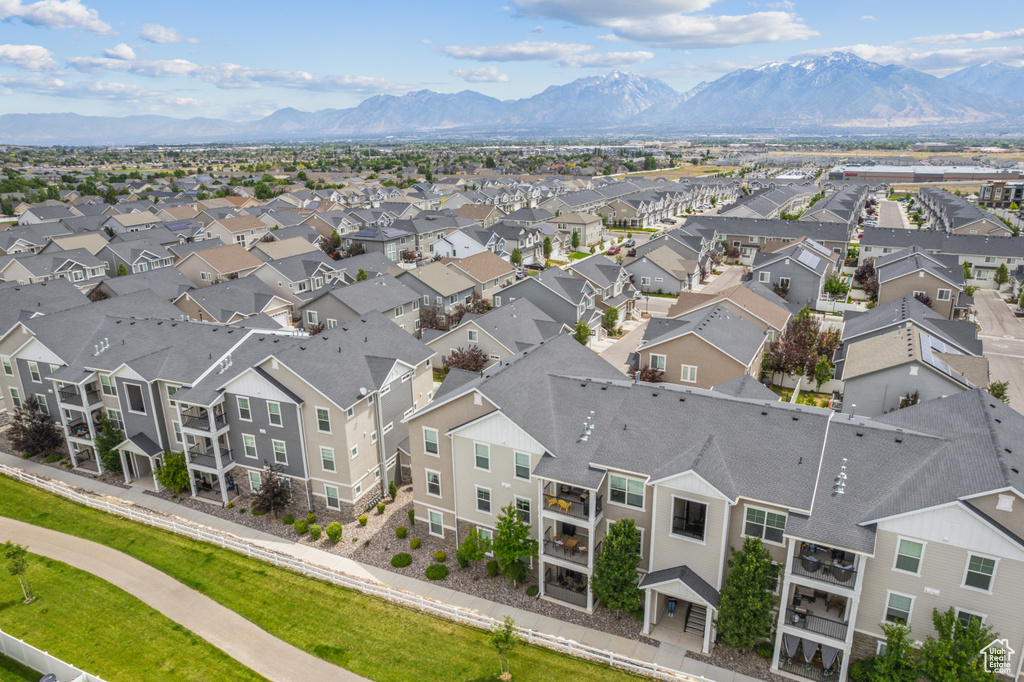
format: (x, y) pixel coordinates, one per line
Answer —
(401, 532)
(461, 558)
(231, 505)
(311, 518)
(381, 507)
(440, 556)
(288, 520)
(54, 457)
(401, 560)
(412, 517)
(366, 543)
(334, 532)
(241, 510)
(532, 591)
(392, 490)
(362, 520)
(257, 512)
(493, 569)
(301, 526)
(437, 572)
(315, 532)
(414, 543)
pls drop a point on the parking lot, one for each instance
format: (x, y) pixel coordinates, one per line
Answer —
(891, 214)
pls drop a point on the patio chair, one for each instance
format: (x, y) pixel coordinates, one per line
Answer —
(842, 573)
(551, 500)
(564, 505)
(810, 563)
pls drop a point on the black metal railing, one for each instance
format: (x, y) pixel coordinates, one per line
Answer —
(199, 419)
(79, 428)
(70, 395)
(807, 670)
(812, 623)
(810, 566)
(570, 504)
(208, 458)
(576, 555)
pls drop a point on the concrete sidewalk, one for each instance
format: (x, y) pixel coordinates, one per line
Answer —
(664, 655)
(223, 628)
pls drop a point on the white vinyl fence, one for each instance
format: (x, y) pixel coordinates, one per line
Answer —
(413, 601)
(44, 663)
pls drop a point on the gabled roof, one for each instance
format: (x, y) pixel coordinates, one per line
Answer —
(901, 311)
(440, 279)
(483, 267)
(517, 326)
(226, 259)
(373, 295)
(717, 326)
(752, 300)
(245, 296)
(746, 386)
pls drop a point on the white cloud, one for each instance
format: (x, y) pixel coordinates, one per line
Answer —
(597, 12)
(868, 17)
(55, 14)
(786, 5)
(103, 90)
(31, 57)
(484, 74)
(120, 51)
(971, 37)
(562, 54)
(156, 68)
(155, 33)
(537, 29)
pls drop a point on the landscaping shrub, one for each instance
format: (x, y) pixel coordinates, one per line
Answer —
(54, 457)
(532, 591)
(301, 526)
(414, 543)
(315, 531)
(764, 650)
(257, 512)
(437, 572)
(288, 520)
(362, 520)
(334, 532)
(493, 569)
(401, 560)
(440, 556)
(400, 532)
(173, 475)
(310, 518)
(460, 556)
(863, 669)
(392, 490)
(366, 544)
(380, 507)
(412, 517)
(241, 510)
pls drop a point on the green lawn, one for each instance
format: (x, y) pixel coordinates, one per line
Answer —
(12, 671)
(89, 623)
(577, 255)
(369, 637)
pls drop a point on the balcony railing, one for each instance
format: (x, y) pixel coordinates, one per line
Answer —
(571, 504)
(208, 458)
(79, 429)
(577, 555)
(813, 566)
(71, 395)
(199, 419)
(813, 623)
(570, 594)
(809, 671)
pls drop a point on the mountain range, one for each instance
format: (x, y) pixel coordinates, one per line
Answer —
(837, 92)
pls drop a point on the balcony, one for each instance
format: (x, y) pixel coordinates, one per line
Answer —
(567, 586)
(198, 419)
(808, 671)
(79, 428)
(800, 617)
(72, 395)
(825, 565)
(207, 458)
(574, 502)
(569, 548)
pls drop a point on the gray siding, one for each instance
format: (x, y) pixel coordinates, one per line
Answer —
(804, 285)
(880, 392)
(261, 429)
(30, 388)
(134, 422)
(642, 267)
(555, 306)
(393, 406)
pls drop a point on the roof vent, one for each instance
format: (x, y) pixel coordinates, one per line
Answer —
(839, 487)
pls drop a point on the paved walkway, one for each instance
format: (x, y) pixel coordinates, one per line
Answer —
(1002, 337)
(218, 625)
(665, 655)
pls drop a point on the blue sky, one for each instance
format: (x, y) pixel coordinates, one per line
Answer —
(241, 61)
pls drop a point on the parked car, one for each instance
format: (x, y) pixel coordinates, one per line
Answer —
(538, 267)
(520, 273)
(614, 250)
(629, 243)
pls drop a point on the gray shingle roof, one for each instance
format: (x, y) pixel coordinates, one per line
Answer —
(746, 386)
(685, 575)
(718, 326)
(373, 295)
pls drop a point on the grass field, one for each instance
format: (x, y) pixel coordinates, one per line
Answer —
(369, 637)
(89, 623)
(12, 671)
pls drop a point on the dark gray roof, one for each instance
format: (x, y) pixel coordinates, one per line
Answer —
(24, 301)
(718, 326)
(909, 261)
(517, 325)
(146, 444)
(685, 575)
(962, 334)
(373, 295)
(775, 229)
(168, 283)
(746, 386)
(937, 241)
(303, 265)
(373, 262)
(599, 269)
(245, 296)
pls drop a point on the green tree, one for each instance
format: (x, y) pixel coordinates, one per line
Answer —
(504, 637)
(6, 207)
(16, 557)
(517, 257)
(173, 473)
(575, 239)
(615, 581)
(34, 432)
(955, 656)
(836, 287)
(1001, 276)
(489, 162)
(822, 372)
(512, 544)
(1000, 389)
(361, 275)
(548, 248)
(107, 441)
(896, 663)
(610, 318)
(474, 546)
(110, 196)
(122, 270)
(582, 332)
(261, 190)
(746, 601)
(967, 269)
(650, 164)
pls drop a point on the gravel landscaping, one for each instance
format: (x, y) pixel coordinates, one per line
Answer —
(745, 662)
(109, 477)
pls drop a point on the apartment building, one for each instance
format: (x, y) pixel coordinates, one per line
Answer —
(867, 520)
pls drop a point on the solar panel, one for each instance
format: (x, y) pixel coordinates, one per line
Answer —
(809, 259)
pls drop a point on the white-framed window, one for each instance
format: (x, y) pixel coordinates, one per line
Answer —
(473, 336)
(350, 412)
(354, 451)
(311, 316)
(689, 374)
(399, 311)
(658, 362)
(482, 456)
(333, 501)
(433, 483)
(323, 420)
(898, 607)
(387, 428)
(430, 442)
(784, 282)
(980, 572)
(108, 385)
(965, 617)
(436, 521)
(522, 465)
(944, 294)
(280, 452)
(523, 509)
(483, 499)
(909, 554)
(689, 518)
(497, 301)
(255, 481)
(177, 431)
(373, 437)
(15, 398)
(136, 403)
(358, 490)
(33, 370)
(645, 281)
(761, 523)
(880, 648)
(41, 399)
(327, 458)
(244, 413)
(116, 418)
(249, 446)
(764, 276)
(8, 368)
(331, 323)
(274, 414)
(416, 304)
(626, 491)
(486, 533)
(171, 390)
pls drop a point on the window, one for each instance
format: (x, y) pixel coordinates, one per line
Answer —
(689, 518)
(898, 608)
(436, 523)
(33, 369)
(358, 490)
(483, 456)
(255, 481)
(433, 483)
(426, 300)
(784, 282)
(354, 452)
(311, 316)
(523, 509)
(908, 556)
(244, 413)
(497, 301)
(627, 491)
(323, 420)
(331, 324)
(766, 525)
(764, 276)
(944, 294)
(280, 455)
(115, 417)
(373, 437)
(171, 390)
(135, 400)
(399, 311)
(108, 385)
(483, 500)
(350, 412)
(177, 431)
(274, 413)
(522, 465)
(8, 369)
(486, 534)
(327, 458)
(980, 571)
(249, 446)
(387, 427)
(332, 497)
(689, 374)
(658, 362)
(473, 336)
(41, 399)
(965, 617)
(15, 398)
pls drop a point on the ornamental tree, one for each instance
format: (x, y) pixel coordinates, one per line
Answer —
(582, 332)
(955, 655)
(512, 544)
(615, 581)
(34, 432)
(746, 601)
(471, 359)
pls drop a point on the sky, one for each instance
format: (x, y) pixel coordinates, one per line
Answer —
(241, 61)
